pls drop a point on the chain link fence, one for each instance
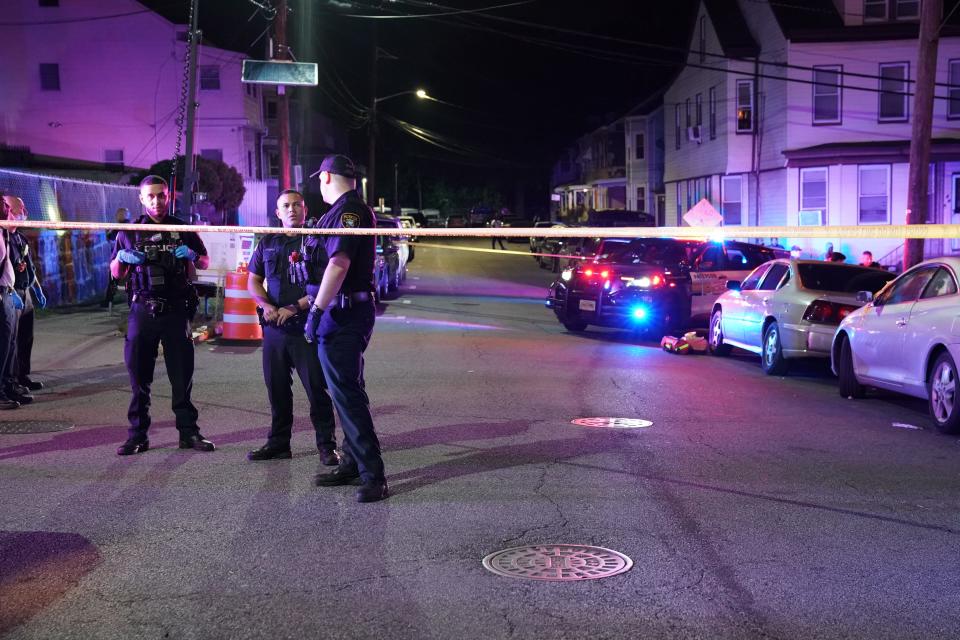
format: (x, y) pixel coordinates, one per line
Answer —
(72, 266)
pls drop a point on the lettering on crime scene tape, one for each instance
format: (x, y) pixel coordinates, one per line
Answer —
(897, 232)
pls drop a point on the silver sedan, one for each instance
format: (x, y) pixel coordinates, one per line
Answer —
(907, 339)
(789, 309)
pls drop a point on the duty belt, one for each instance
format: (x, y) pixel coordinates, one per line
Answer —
(159, 306)
(346, 300)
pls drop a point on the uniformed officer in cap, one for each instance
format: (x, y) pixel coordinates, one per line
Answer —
(341, 322)
(286, 264)
(162, 305)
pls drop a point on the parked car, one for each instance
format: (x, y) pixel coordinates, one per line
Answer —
(788, 309)
(402, 241)
(905, 339)
(536, 241)
(388, 251)
(381, 275)
(409, 222)
(456, 220)
(638, 284)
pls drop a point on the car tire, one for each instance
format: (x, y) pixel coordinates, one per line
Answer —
(942, 395)
(847, 379)
(715, 344)
(771, 353)
(410, 257)
(574, 325)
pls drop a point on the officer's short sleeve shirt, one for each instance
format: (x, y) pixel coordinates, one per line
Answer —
(350, 212)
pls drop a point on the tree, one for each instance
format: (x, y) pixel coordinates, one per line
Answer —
(222, 183)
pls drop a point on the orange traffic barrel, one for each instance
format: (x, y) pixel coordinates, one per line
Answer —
(240, 321)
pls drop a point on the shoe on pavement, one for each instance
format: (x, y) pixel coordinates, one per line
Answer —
(19, 394)
(338, 477)
(196, 442)
(267, 452)
(373, 491)
(329, 458)
(132, 446)
(32, 385)
(8, 403)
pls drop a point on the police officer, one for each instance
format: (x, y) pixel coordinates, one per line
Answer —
(10, 304)
(287, 263)
(341, 322)
(30, 291)
(162, 305)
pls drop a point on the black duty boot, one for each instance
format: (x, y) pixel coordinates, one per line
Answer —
(373, 491)
(133, 446)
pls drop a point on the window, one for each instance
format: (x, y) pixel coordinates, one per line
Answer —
(249, 164)
(113, 157)
(942, 284)
(210, 77)
(703, 38)
(49, 3)
(699, 109)
(909, 286)
(183, 36)
(731, 196)
(687, 105)
(894, 78)
(271, 110)
(49, 77)
(713, 113)
(676, 114)
(827, 103)
(874, 10)
(744, 106)
(813, 189)
(953, 91)
(273, 165)
(212, 154)
(752, 280)
(774, 277)
(874, 194)
(679, 207)
(641, 199)
(639, 146)
(907, 9)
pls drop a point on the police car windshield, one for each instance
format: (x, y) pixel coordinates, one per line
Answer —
(647, 250)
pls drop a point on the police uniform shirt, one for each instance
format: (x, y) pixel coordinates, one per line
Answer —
(127, 239)
(272, 258)
(351, 212)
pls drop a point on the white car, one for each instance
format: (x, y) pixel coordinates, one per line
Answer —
(906, 339)
(789, 309)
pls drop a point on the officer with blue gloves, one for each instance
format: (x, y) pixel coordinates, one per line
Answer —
(10, 303)
(28, 288)
(341, 323)
(163, 302)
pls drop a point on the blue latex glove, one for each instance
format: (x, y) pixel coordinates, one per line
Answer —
(131, 256)
(183, 251)
(38, 296)
(312, 324)
(17, 301)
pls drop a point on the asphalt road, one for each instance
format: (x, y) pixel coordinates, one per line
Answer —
(753, 507)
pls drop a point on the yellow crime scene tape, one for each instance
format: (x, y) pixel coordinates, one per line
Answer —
(903, 231)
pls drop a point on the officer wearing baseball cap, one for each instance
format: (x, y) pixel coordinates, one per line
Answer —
(341, 323)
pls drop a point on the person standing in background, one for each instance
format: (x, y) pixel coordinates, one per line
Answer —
(10, 303)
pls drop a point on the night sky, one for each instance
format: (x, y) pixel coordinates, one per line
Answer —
(522, 82)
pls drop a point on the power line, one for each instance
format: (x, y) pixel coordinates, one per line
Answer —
(448, 12)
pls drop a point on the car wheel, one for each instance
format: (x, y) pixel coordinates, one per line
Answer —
(849, 387)
(574, 325)
(715, 343)
(942, 394)
(771, 358)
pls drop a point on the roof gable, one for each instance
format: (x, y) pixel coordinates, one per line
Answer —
(731, 27)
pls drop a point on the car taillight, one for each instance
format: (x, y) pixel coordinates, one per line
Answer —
(599, 276)
(826, 312)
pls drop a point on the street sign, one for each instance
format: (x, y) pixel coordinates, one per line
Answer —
(285, 72)
(703, 214)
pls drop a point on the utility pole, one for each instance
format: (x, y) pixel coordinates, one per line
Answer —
(189, 167)
(283, 100)
(396, 190)
(931, 12)
(372, 126)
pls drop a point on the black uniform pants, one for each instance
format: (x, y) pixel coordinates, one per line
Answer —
(284, 351)
(8, 335)
(144, 333)
(344, 336)
(24, 341)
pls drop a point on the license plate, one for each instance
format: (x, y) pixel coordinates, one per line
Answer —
(588, 305)
(646, 298)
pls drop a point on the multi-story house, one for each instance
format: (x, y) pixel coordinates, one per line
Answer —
(643, 132)
(101, 83)
(800, 114)
(592, 173)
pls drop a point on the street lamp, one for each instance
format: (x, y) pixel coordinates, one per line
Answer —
(372, 149)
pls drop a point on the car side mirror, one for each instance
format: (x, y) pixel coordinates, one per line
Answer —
(864, 296)
(733, 285)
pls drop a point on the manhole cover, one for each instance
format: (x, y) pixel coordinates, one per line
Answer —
(559, 562)
(613, 423)
(33, 426)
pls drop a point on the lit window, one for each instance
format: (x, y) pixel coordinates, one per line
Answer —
(731, 200)
(874, 194)
(744, 106)
(826, 94)
(894, 80)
